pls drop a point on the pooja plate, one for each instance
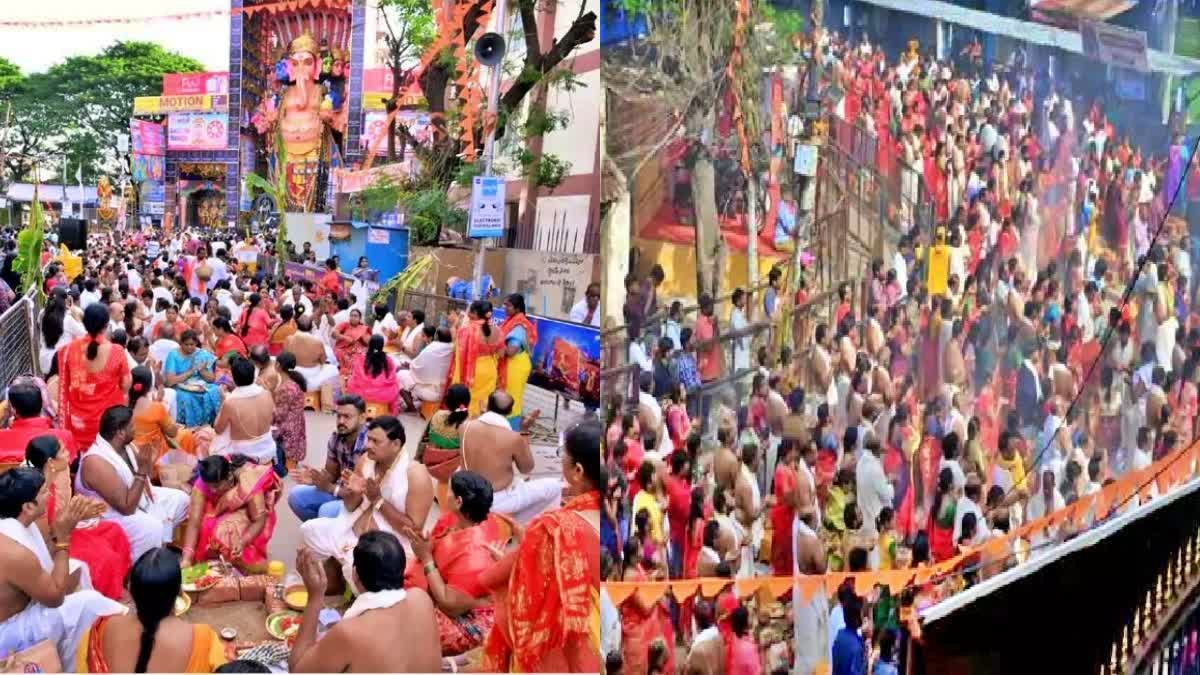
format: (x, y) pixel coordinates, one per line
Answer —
(201, 577)
(283, 625)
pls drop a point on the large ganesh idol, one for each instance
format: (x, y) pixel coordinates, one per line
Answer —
(306, 118)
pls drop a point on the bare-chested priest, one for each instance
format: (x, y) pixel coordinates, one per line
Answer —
(39, 596)
(313, 360)
(386, 608)
(491, 448)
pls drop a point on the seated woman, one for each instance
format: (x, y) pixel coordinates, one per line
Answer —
(226, 342)
(454, 559)
(153, 639)
(441, 454)
(289, 409)
(152, 423)
(190, 371)
(373, 376)
(232, 513)
(350, 341)
(100, 544)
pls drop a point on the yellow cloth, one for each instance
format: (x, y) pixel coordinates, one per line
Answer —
(939, 270)
(487, 375)
(516, 378)
(72, 264)
(646, 500)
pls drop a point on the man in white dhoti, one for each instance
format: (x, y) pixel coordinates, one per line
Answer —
(42, 595)
(121, 479)
(811, 616)
(491, 448)
(748, 511)
(244, 422)
(424, 378)
(314, 359)
(388, 491)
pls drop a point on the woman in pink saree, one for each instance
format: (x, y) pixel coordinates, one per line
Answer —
(373, 376)
(232, 513)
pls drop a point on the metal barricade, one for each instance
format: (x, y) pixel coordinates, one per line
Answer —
(19, 340)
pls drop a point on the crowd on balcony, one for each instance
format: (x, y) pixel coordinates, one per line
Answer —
(1028, 345)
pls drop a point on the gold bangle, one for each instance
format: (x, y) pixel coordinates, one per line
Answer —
(60, 546)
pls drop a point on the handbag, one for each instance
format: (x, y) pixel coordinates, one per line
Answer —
(40, 658)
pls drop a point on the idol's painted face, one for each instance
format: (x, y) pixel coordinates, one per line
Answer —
(303, 66)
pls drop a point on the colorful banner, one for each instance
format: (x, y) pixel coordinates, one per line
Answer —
(375, 125)
(566, 358)
(148, 168)
(247, 157)
(158, 105)
(149, 138)
(299, 271)
(180, 84)
(198, 131)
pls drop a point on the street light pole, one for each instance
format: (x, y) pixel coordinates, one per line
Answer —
(489, 148)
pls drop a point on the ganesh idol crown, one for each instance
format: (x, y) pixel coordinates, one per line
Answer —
(306, 113)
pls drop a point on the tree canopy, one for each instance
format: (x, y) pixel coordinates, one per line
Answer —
(78, 108)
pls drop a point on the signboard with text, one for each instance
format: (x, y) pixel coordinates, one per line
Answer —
(159, 105)
(148, 138)
(177, 84)
(198, 131)
(1115, 45)
(487, 207)
(154, 198)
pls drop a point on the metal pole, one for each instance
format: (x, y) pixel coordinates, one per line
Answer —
(489, 150)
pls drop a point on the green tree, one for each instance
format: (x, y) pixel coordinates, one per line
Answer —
(410, 31)
(97, 93)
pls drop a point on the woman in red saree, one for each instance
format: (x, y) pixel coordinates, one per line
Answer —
(548, 612)
(455, 560)
(641, 624)
(783, 511)
(227, 343)
(350, 341)
(93, 376)
(103, 545)
(254, 325)
(692, 545)
(232, 512)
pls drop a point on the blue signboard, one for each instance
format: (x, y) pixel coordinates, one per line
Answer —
(487, 207)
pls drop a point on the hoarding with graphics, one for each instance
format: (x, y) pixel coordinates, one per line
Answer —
(198, 131)
(148, 167)
(181, 84)
(566, 358)
(148, 137)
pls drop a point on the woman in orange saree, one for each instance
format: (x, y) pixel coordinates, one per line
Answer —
(155, 583)
(93, 375)
(516, 363)
(455, 559)
(548, 611)
(232, 512)
(474, 363)
(152, 423)
(350, 341)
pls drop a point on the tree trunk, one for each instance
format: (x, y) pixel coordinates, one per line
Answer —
(751, 241)
(704, 205)
(534, 145)
(395, 102)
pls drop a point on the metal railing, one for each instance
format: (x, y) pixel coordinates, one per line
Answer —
(19, 340)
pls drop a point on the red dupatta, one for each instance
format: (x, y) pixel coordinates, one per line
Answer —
(553, 589)
(468, 348)
(506, 328)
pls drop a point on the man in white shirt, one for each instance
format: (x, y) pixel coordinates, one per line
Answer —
(587, 311)
(950, 452)
(969, 503)
(873, 489)
(164, 345)
(90, 293)
(297, 297)
(1047, 500)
